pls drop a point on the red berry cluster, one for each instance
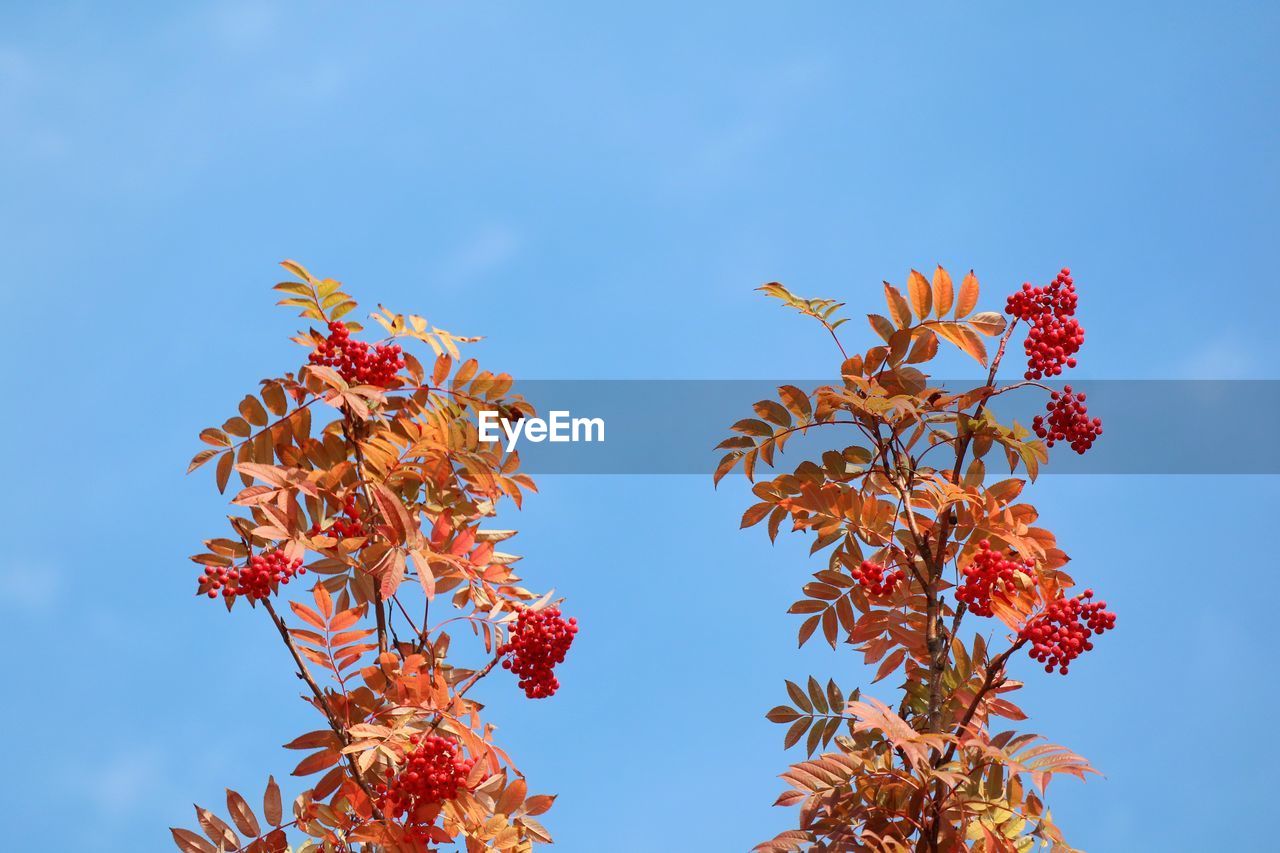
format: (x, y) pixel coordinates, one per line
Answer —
(1055, 336)
(874, 580)
(539, 641)
(433, 773)
(348, 524)
(256, 580)
(988, 572)
(1068, 421)
(1061, 634)
(356, 361)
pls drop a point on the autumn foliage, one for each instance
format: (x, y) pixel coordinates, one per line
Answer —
(916, 535)
(365, 492)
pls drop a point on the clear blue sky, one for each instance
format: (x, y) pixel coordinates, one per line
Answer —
(597, 190)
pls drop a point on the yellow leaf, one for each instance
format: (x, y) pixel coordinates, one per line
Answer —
(297, 269)
(965, 338)
(988, 323)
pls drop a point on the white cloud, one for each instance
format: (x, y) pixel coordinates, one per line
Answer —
(16, 72)
(1218, 359)
(726, 151)
(486, 251)
(28, 588)
(244, 25)
(123, 782)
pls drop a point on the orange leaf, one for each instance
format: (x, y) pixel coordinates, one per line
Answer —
(344, 620)
(323, 600)
(965, 338)
(882, 326)
(921, 294)
(512, 797)
(943, 292)
(316, 762)
(538, 803)
(889, 664)
(968, 295)
(392, 511)
(306, 614)
(899, 311)
(925, 348)
(223, 473)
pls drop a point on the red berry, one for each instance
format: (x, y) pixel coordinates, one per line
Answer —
(344, 526)
(1061, 634)
(1068, 421)
(433, 773)
(355, 361)
(989, 572)
(874, 580)
(257, 579)
(540, 639)
(1055, 336)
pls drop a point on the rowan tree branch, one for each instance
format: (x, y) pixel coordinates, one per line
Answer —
(304, 672)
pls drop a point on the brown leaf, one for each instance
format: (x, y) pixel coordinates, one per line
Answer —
(797, 730)
(189, 842)
(756, 514)
(782, 714)
(273, 396)
(808, 627)
(251, 410)
(925, 348)
(216, 828)
(200, 458)
(817, 696)
(799, 697)
(889, 664)
(223, 471)
(882, 326)
(272, 808)
(241, 814)
(795, 400)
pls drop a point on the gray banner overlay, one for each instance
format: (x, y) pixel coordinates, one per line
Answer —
(671, 426)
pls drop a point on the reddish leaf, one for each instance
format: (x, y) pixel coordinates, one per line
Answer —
(189, 842)
(241, 814)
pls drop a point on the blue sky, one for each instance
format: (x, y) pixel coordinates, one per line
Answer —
(597, 190)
